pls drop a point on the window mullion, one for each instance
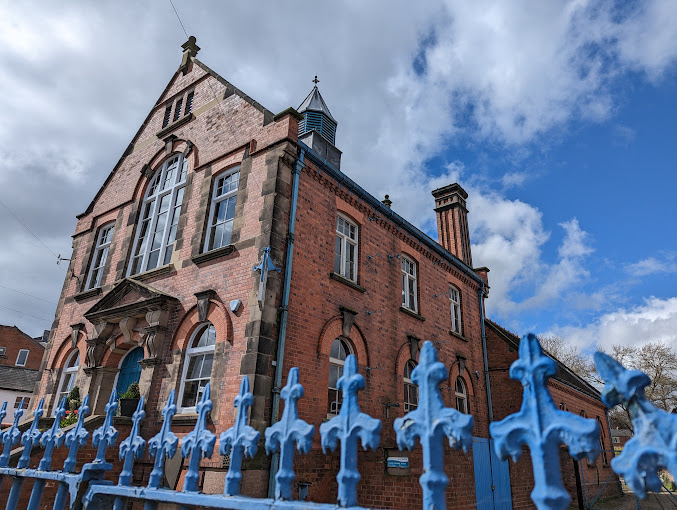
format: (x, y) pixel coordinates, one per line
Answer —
(168, 223)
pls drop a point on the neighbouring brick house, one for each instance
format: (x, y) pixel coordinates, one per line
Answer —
(163, 292)
(20, 358)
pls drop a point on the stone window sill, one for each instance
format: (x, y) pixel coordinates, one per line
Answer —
(185, 419)
(172, 126)
(346, 281)
(213, 254)
(81, 296)
(458, 335)
(412, 313)
(158, 271)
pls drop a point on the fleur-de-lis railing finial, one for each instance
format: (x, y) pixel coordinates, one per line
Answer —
(29, 439)
(430, 423)
(654, 443)
(239, 439)
(106, 434)
(77, 436)
(289, 430)
(163, 444)
(543, 427)
(3, 413)
(11, 436)
(199, 443)
(50, 439)
(347, 427)
(132, 447)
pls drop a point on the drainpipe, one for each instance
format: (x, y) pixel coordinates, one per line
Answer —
(480, 294)
(274, 463)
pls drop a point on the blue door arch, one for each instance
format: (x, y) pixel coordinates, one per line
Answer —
(130, 371)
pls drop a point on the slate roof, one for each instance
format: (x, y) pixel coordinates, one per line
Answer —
(564, 375)
(315, 103)
(18, 378)
(621, 433)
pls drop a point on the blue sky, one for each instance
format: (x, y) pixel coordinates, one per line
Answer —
(557, 117)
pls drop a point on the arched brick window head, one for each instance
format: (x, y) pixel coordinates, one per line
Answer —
(160, 209)
(197, 367)
(461, 396)
(410, 389)
(68, 375)
(337, 359)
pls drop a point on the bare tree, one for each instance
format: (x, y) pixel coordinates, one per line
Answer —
(571, 356)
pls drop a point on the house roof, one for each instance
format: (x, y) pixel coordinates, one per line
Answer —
(17, 378)
(564, 374)
(14, 334)
(315, 103)
(621, 433)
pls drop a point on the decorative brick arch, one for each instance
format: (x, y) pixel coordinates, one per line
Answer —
(333, 329)
(468, 378)
(216, 314)
(66, 348)
(113, 356)
(403, 355)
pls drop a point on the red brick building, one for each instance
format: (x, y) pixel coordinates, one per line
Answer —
(163, 291)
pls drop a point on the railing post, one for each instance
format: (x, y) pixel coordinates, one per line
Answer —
(131, 448)
(28, 440)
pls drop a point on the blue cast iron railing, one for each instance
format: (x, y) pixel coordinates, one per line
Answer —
(538, 425)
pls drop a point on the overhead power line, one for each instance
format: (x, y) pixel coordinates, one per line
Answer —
(177, 17)
(24, 313)
(26, 294)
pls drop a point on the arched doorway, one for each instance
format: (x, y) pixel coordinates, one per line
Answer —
(130, 370)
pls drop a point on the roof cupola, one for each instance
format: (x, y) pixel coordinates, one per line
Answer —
(316, 116)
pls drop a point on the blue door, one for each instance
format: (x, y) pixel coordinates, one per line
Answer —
(130, 371)
(492, 477)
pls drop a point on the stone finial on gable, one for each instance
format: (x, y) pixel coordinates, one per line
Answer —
(190, 49)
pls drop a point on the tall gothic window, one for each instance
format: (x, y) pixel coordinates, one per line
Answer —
(461, 396)
(455, 304)
(337, 359)
(160, 210)
(345, 255)
(222, 211)
(410, 389)
(409, 299)
(103, 240)
(197, 366)
(68, 375)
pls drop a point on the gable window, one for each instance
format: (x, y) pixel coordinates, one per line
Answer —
(189, 102)
(168, 115)
(103, 241)
(68, 375)
(337, 359)
(176, 107)
(409, 299)
(345, 255)
(22, 358)
(410, 389)
(222, 210)
(197, 367)
(461, 396)
(455, 303)
(160, 210)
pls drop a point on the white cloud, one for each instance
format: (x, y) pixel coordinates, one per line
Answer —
(652, 265)
(654, 320)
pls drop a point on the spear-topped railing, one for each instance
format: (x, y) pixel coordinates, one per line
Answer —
(538, 424)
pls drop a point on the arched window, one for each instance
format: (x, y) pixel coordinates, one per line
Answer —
(222, 211)
(197, 367)
(67, 382)
(455, 304)
(156, 230)
(337, 358)
(461, 396)
(410, 389)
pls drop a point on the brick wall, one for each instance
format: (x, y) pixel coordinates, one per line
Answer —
(13, 340)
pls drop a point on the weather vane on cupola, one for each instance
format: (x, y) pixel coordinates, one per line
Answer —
(316, 115)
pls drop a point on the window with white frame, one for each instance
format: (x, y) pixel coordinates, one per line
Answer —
(461, 396)
(3, 351)
(197, 366)
(222, 211)
(18, 401)
(22, 358)
(617, 439)
(160, 211)
(345, 256)
(337, 359)
(410, 389)
(409, 298)
(103, 241)
(68, 375)
(455, 304)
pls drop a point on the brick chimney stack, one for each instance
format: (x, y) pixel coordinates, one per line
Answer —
(452, 221)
